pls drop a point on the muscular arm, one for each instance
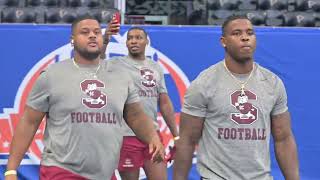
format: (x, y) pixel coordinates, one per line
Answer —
(139, 122)
(190, 133)
(285, 146)
(167, 112)
(23, 136)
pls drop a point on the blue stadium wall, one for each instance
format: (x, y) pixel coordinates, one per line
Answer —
(292, 53)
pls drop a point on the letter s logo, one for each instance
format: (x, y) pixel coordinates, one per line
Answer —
(247, 112)
(147, 76)
(96, 99)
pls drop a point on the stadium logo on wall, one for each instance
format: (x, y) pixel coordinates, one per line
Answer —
(117, 47)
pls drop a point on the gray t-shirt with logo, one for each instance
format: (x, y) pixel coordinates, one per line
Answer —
(84, 123)
(235, 139)
(149, 80)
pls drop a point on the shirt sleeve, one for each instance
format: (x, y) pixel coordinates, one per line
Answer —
(38, 98)
(162, 88)
(132, 93)
(195, 101)
(281, 99)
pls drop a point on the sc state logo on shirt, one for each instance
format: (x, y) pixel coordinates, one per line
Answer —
(247, 113)
(147, 77)
(95, 98)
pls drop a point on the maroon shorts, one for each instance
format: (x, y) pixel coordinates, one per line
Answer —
(57, 173)
(133, 154)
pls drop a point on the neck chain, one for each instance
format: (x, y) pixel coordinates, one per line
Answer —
(241, 83)
(89, 73)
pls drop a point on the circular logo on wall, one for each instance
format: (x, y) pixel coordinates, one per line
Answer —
(116, 47)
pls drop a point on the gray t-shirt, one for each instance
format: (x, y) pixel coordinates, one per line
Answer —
(84, 116)
(149, 80)
(236, 134)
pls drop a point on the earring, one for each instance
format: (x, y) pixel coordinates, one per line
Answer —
(71, 42)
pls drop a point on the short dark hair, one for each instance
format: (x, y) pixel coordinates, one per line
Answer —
(81, 18)
(138, 28)
(232, 18)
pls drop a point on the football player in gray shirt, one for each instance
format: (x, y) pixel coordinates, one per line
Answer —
(84, 100)
(230, 110)
(149, 80)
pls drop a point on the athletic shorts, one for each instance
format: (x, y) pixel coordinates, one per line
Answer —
(133, 153)
(57, 173)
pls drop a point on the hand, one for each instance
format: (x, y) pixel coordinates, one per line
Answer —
(171, 155)
(157, 150)
(113, 26)
(112, 29)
